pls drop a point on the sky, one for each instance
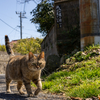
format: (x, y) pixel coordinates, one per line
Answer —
(9, 20)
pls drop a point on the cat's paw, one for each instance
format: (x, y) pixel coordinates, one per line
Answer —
(8, 91)
(22, 93)
(30, 95)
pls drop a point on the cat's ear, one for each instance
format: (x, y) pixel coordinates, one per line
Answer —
(42, 55)
(30, 55)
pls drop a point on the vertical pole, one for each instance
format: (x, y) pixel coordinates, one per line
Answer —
(20, 25)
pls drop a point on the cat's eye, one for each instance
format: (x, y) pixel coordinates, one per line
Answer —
(33, 64)
(40, 64)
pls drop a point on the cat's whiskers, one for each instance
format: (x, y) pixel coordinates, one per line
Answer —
(46, 71)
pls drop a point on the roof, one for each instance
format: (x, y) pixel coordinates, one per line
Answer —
(18, 39)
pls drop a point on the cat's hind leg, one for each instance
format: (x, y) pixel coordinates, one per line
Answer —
(8, 85)
(19, 85)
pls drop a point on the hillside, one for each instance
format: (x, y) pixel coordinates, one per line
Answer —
(79, 76)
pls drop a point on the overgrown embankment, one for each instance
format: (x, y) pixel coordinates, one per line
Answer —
(79, 76)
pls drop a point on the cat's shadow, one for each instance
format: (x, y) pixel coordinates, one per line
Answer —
(11, 96)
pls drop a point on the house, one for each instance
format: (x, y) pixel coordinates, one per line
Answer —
(13, 42)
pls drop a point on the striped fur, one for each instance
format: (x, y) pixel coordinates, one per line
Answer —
(7, 44)
(24, 69)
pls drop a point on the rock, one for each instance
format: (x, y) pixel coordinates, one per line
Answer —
(68, 61)
(83, 54)
(94, 51)
(98, 50)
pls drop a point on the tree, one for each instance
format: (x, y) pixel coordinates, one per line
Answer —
(43, 15)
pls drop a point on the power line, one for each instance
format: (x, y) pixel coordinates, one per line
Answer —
(9, 25)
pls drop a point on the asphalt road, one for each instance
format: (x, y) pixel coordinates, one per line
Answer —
(14, 95)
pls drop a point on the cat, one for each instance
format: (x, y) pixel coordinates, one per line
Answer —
(24, 69)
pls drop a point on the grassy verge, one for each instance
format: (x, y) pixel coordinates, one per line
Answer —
(80, 79)
(83, 81)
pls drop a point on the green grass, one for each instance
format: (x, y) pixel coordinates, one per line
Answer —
(82, 82)
(81, 79)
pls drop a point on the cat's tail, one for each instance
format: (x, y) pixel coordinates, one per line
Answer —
(8, 47)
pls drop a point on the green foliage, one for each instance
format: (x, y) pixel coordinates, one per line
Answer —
(43, 15)
(86, 90)
(83, 81)
(92, 47)
(2, 48)
(24, 46)
(80, 79)
(91, 51)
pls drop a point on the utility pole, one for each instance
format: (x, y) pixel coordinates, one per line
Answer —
(22, 13)
(20, 25)
(21, 16)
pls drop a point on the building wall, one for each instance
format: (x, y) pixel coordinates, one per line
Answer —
(49, 43)
(66, 19)
(89, 22)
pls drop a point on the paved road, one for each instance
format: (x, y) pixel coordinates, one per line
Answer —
(15, 95)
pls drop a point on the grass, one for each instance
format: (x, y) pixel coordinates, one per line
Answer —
(83, 82)
(81, 79)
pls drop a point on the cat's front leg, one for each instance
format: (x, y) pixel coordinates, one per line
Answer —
(38, 83)
(28, 87)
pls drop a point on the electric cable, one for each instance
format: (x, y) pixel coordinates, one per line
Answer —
(8, 25)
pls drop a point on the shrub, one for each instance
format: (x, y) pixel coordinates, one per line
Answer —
(24, 46)
(2, 48)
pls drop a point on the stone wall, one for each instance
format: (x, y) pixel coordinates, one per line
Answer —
(3, 61)
(49, 43)
(64, 36)
(4, 57)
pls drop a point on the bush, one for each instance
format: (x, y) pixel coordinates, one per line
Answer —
(2, 48)
(24, 46)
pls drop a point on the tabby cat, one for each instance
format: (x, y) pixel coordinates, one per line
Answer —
(24, 69)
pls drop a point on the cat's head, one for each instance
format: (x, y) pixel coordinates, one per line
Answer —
(36, 62)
